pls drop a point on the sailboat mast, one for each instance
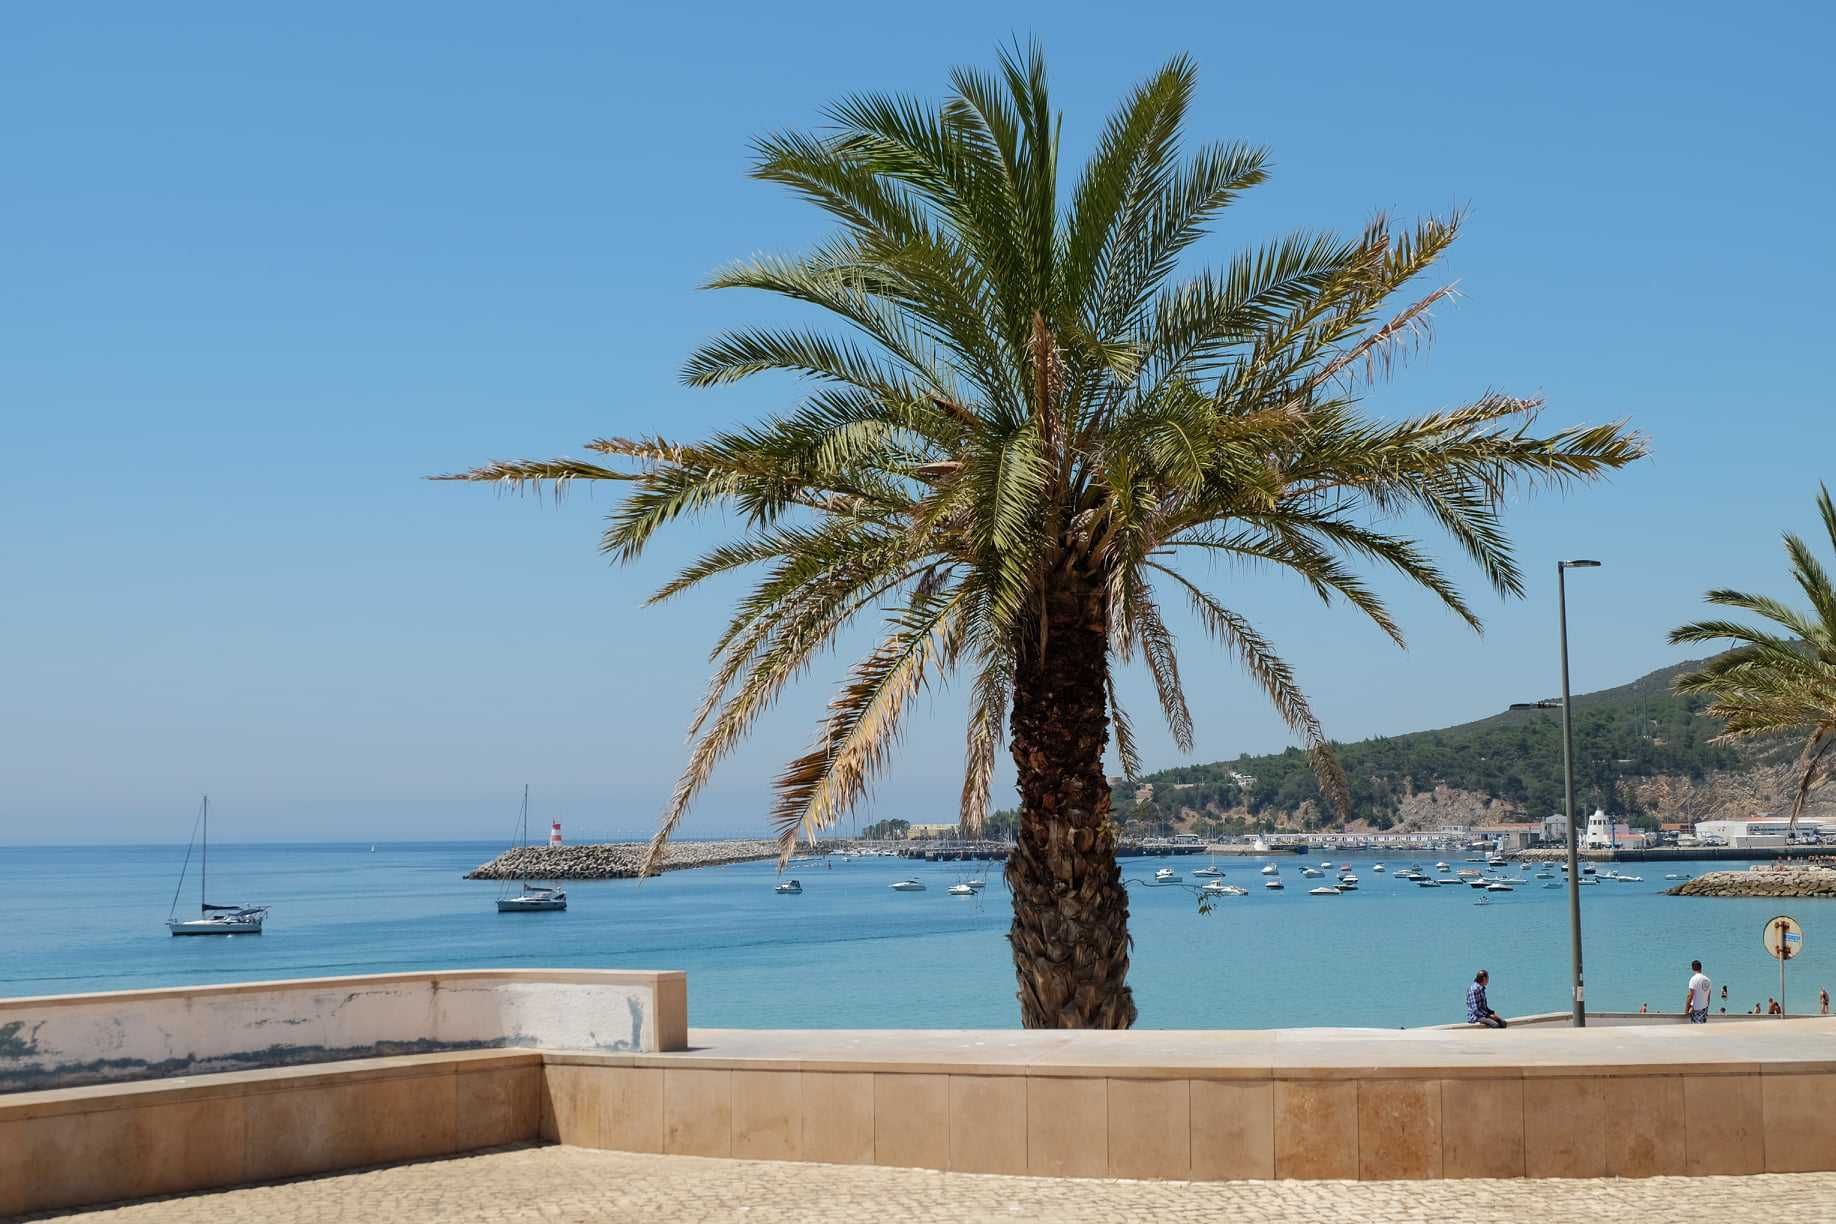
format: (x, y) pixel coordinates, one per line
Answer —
(525, 823)
(204, 863)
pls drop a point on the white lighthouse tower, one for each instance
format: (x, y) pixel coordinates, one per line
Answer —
(554, 833)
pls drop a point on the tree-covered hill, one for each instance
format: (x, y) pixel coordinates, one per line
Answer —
(1634, 732)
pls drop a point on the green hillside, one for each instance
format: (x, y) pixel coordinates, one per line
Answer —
(1637, 730)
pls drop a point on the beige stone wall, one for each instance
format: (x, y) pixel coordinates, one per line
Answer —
(77, 1146)
(1498, 1122)
(73, 1147)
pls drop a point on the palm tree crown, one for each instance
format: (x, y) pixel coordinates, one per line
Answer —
(1771, 683)
(1024, 426)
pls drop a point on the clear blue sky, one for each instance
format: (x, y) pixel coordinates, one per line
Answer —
(264, 269)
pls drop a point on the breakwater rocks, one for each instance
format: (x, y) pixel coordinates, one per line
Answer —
(1783, 882)
(613, 860)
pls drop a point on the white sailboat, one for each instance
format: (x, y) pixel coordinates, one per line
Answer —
(530, 898)
(212, 919)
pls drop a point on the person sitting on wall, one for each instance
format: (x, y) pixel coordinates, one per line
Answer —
(1478, 1011)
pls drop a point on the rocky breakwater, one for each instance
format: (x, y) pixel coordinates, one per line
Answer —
(1772, 882)
(613, 860)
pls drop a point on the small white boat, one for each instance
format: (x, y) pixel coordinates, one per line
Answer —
(1630, 879)
(961, 890)
(790, 888)
(1498, 886)
(1553, 884)
(1440, 866)
(907, 886)
(212, 919)
(978, 885)
(1322, 892)
(1348, 881)
(1587, 879)
(1210, 872)
(1166, 875)
(1377, 867)
(1312, 873)
(530, 898)
(1272, 869)
(1494, 860)
(1274, 885)
(1678, 875)
(1219, 888)
(1424, 883)
(1327, 863)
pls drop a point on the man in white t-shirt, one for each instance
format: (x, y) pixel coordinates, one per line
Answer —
(1696, 1003)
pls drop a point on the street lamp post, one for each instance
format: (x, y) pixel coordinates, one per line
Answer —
(1568, 788)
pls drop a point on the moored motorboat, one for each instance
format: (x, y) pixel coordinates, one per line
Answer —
(1274, 885)
(1312, 873)
(907, 885)
(1166, 875)
(1272, 869)
(1325, 891)
(961, 890)
(1377, 867)
(1498, 886)
(790, 888)
(1219, 888)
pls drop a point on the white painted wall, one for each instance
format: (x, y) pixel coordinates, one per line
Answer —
(69, 1040)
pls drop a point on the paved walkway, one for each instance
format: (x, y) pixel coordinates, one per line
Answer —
(554, 1184)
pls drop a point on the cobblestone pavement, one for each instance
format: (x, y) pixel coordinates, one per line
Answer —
(554, 1184)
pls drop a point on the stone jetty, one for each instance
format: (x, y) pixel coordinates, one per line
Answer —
(613, 860)
(1770, 882)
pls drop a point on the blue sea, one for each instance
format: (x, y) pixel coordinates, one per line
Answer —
(850, 953)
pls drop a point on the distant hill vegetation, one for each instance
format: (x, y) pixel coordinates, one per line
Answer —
(1624, 738)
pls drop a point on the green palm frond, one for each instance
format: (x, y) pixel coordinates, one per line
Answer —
(1770, 684)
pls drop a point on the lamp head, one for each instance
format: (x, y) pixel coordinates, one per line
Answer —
(1578, 564)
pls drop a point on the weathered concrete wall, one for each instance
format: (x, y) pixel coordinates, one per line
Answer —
(70, 1040)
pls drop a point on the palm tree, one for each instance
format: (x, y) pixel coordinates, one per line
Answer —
(1769, 684)
(1024, 428)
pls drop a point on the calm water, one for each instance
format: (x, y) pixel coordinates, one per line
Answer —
(851, 953)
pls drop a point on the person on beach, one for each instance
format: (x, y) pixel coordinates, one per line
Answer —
(1823, 1002)
(1772, 1007)
(1696, 1001)
(1478, 1011)
(1724, 994)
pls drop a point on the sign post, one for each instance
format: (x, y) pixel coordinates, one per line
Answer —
(1784, 939)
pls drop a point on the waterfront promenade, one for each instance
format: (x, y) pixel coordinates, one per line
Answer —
(551, 1184)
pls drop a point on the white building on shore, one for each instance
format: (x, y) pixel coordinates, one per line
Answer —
(1757, 834)
(1607, 833)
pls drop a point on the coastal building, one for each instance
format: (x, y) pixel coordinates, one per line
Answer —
(1555, 829)
(1512, 837)
(1607, 833)
(927, 832)
(1757, 834)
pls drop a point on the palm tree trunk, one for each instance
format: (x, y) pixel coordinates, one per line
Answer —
(1070, 929)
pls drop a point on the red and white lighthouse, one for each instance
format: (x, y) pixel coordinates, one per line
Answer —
(554, 833)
